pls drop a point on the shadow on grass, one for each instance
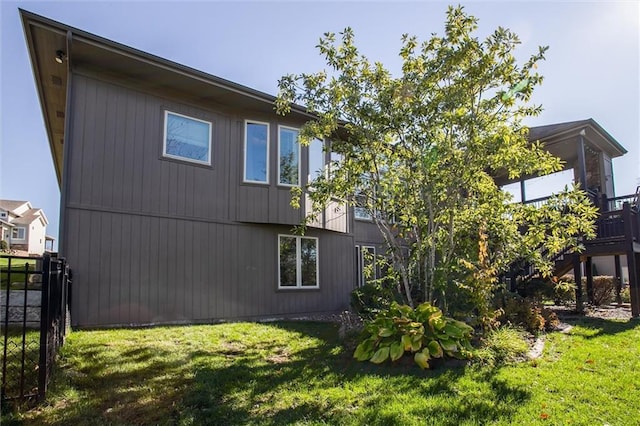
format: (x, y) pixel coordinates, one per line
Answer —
(596, 327)
(108, 394)
(265, 381)
(326, 385)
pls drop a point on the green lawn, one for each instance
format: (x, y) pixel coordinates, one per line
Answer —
(17, 270)
(298, 373)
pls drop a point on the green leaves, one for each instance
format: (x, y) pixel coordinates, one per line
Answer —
(400, 329)
(422, 359)
(381, 355)
(421, 152)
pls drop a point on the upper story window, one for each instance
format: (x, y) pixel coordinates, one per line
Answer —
(187, 138)
(256, 152)
(298, 262)
(288, 156)
(18, 233)
(316, 159)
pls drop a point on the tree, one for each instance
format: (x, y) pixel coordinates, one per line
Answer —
(420, 152)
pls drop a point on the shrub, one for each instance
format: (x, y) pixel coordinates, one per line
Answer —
(551, 321)
(525, 313)
(604, 288)
(625, 294)
(372, 298)
(422, 331)
(559, 290)
(504, 344)
(4, 246)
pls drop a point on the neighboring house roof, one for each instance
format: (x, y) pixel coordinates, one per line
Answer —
(31, 216)
(46, 37)
(24, 213)
(12, 206)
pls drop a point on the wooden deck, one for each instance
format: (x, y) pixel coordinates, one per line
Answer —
(617, 234)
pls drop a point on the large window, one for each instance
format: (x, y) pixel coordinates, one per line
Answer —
(288, 156)
(18, 233)
(187, 138)
(298, 262)
(256, 152)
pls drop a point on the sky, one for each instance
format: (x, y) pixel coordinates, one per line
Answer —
(592, 68)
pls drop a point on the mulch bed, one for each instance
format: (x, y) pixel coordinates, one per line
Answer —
(613, 312)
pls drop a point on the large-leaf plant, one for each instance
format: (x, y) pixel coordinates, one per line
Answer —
(424, 332)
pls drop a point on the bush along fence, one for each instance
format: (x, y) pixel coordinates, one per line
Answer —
(34, 299)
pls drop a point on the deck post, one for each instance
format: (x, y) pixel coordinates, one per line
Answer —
(577, 274)
(618, 272)
(588, 269)
(582, 163)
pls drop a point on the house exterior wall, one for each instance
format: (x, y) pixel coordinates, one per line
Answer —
(36, 232)
(154, 240)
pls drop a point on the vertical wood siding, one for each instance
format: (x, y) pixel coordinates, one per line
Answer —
(153, 240)
(135, 269)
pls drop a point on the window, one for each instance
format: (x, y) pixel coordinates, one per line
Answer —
(256, 152)
(365, 265)
(18, 233)
(316, 159)
(298, 262)
(360, 212)
(288, 156)
(187, 138)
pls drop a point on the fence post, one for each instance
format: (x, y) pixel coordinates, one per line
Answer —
(5, 324)
(44, 327)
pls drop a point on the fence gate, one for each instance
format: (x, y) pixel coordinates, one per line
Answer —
(34, 300)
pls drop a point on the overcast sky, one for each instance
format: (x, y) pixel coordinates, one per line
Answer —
(591, 71)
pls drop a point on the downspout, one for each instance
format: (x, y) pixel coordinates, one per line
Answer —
(62, 227)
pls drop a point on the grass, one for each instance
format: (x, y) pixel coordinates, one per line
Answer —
(298, 373)
(15, 343)
(17, 271)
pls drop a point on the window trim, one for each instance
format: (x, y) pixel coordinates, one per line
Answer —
(280, 127)
(299, 285)
(24, 233)
(177, 157)
(244, 171)
(361, 280)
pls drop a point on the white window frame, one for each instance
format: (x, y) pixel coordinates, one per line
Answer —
(24, 233)
(299, 285)
(360, 264)
(280, 127)
(178, 157)
(244, 173)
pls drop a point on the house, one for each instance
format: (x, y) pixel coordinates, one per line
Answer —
(175, 191)
(23, 227)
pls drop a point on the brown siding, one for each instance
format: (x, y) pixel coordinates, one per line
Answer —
(367, 233)
(153, 240)
(136, 269)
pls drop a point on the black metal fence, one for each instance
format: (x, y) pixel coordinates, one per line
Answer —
(34, 299)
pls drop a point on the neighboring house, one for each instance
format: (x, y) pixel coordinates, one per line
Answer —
(175, 191)
(23, 227)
